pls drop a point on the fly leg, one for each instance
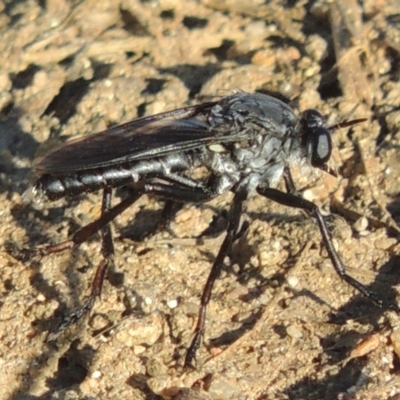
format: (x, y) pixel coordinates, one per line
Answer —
(310, 208)
(183, 193)
(170, 193)
(82, 235)
(235, 213)
(107, 251)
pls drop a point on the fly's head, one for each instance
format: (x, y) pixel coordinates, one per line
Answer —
(316, 140)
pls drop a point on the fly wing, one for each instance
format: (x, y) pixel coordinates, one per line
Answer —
(140, 139)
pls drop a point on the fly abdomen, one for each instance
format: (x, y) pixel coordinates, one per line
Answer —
(55, 186)
(49, 186)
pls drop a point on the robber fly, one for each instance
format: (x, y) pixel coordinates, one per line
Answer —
(247, 142)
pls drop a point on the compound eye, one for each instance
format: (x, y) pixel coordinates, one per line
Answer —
(320, 147)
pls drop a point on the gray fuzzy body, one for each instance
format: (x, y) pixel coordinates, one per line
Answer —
(244, 140)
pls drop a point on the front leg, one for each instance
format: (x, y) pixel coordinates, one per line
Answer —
(291, 200)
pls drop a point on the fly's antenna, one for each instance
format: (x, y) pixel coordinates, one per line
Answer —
(346, 122)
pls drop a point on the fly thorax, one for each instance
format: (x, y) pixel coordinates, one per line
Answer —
(222, 164)
(224, 170)
(263, 161)
(261, 156)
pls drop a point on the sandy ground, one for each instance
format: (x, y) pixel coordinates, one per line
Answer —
(281, 323)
